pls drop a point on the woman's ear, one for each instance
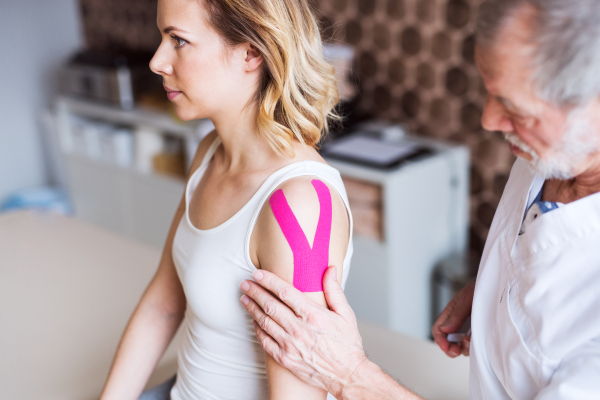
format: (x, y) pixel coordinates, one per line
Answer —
(253, 58)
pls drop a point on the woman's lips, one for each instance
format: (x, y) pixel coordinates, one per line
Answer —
(171, 94)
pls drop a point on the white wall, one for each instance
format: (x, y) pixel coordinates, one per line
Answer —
(36, 36)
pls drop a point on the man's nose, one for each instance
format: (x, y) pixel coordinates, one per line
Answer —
(494, 118)
(160, 63)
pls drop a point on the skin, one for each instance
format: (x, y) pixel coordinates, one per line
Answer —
(320, 345)
(451, 319)
(219, 83)
(306, 338)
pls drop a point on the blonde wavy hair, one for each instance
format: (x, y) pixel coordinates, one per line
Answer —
(298, 90)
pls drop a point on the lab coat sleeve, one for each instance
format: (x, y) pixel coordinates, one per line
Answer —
(578, 375)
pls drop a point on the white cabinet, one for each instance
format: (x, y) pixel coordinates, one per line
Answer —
(425, 218)
(139, 206)
(129, 200)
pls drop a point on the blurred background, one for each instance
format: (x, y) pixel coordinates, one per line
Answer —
(413, 64)
(88, 133)
(38, 37)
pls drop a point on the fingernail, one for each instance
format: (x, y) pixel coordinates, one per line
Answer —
(245, 286)
(453, 353)
(335, 274)
(245, 300)
(258, 275)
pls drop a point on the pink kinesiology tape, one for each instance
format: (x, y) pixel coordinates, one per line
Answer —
(309, 264)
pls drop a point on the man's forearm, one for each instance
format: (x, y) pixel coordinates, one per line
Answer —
(370, 382)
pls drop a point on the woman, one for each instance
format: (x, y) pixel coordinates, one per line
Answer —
(255, 68)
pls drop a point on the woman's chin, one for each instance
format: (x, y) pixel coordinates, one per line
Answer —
(183, 114)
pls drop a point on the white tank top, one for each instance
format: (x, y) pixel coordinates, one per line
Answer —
(219, 357)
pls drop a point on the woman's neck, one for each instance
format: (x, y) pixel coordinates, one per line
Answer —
(244, 148)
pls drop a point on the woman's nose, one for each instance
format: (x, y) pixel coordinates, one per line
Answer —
(160, 63)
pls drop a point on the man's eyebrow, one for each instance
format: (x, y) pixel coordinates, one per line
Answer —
(173, 28)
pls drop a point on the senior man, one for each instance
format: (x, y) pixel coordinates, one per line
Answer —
(535, 305)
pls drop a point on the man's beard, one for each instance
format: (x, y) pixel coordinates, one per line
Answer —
(578, 142)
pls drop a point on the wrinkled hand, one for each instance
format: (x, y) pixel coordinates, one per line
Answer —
(320, 346)
(450, 321)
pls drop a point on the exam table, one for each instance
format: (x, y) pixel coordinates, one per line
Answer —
(67, 289)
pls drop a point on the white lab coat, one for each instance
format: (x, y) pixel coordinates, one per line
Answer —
(536, 310)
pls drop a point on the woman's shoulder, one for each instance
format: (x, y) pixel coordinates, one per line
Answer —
(303, 196)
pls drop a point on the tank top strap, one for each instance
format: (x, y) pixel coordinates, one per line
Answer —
(321, 171)
(210, 152)
(197, 174)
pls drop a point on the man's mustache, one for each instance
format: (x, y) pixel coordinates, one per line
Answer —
(515, 140)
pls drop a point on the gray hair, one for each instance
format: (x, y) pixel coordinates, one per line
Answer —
(567, 45)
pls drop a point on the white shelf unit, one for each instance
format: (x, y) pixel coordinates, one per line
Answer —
(137, 116)
(425, 207)
(122, 199)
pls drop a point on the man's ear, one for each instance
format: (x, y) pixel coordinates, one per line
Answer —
(253, 58)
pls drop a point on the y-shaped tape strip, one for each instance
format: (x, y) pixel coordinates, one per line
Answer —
(309, 264)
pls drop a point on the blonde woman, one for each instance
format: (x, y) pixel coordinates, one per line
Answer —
(255, 68)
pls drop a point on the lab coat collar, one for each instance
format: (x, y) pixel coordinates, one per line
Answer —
(565, 224)
(515, 201)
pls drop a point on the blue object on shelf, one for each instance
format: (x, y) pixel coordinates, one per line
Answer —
(41, 198)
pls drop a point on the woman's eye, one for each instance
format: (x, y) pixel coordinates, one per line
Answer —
(179, 41)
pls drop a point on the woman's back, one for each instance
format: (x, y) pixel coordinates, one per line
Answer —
(220, 356)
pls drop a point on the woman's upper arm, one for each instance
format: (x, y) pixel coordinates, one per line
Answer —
(273, 253)
(170, 294)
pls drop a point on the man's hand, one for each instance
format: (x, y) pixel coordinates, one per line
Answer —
(450, 321)
(320, 346)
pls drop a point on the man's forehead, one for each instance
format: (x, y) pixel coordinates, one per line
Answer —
(484, 60)
(507, 78)
(512, 45)
(507, 63)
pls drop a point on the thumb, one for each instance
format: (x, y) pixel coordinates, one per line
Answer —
(457, 316)
(334, 295)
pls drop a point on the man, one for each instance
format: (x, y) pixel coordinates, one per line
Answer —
(535, 306)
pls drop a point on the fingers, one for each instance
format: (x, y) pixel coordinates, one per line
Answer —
(439, 336)
(263, 320)
(291, 296)
(459, 309)
(267, 343)
(265, 303)
(456, 317)
(450, 348)
(451, 320)
(466, 345)
(440, 339)
(454, 350)
(334, 295)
